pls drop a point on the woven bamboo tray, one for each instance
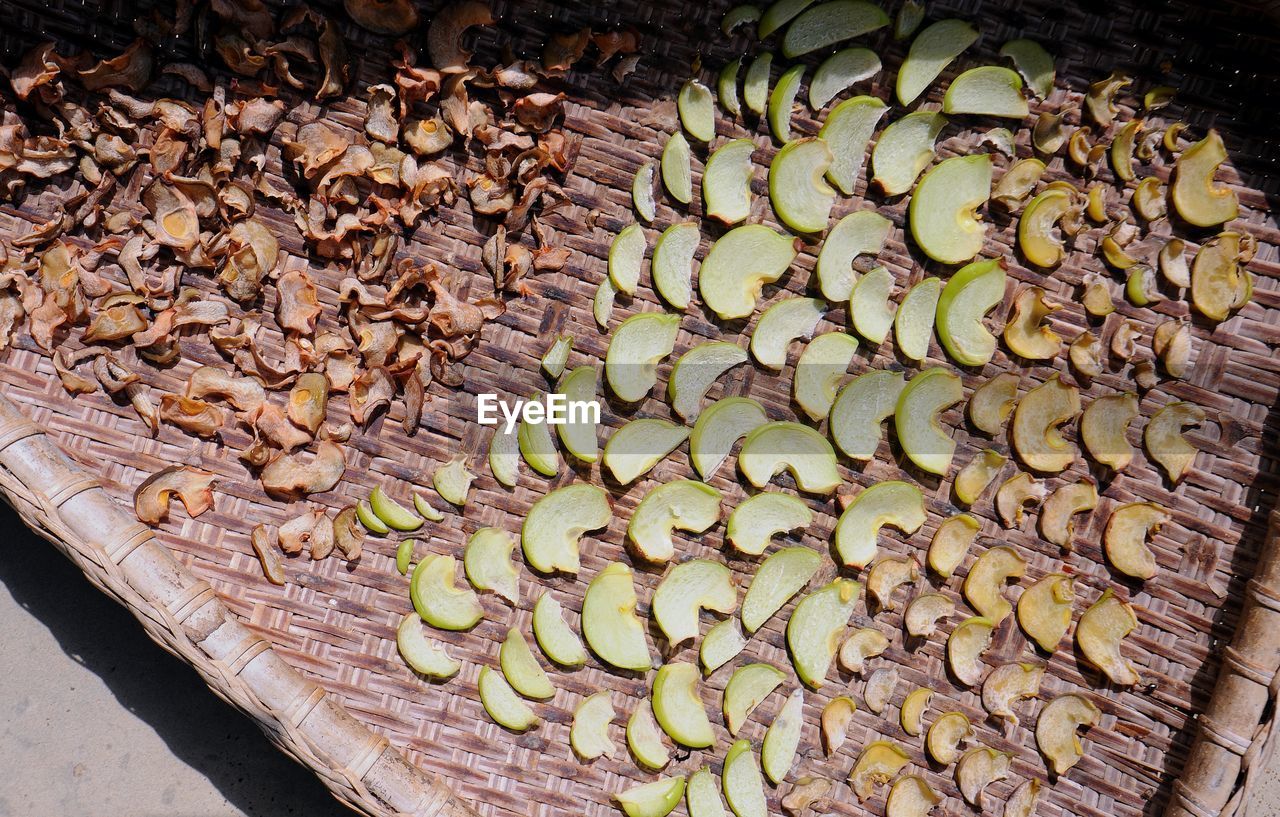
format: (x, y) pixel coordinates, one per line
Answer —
(315, 663)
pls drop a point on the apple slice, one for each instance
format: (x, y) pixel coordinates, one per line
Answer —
(1036, 434)
(696, 370)
(1022, 803)
(747, 688)
(609, 621)
(979, 768)
(782, 101)
(779, 577)
(911, 716)
(924, 440)
(943, 739)
(967, 297)
(1033, 63)
(830, 23)
(798, 190)
(913, 323)
(370, 520)
(1125, 539)
(633, 450)
(1104, 426)
(860, 233)
(894, 503)
(556, 638)
(847, 130)
(701, 796)
(1219, 282)
(1056, 730)
(757, 519)
(424, 656)
(879, 689)
(697, 110)
(862, 643)
(860, 409)
(656, 799)
(984, 586)
(778, 751)
(720, 644)
(684, 504)
(779, 13)
(977, 474)
(727, 86)
(931, 52)
(438, 600)
(965, 646)
(602, 303)
(870, 310)
(677, 171)
(642, 191)
(923, 614)
(1035, 227)
(738, 266)
(755, 85)
(1026, 334)
(904, 150)
(951, 543)
(644, 739)
(943, 209)
(589, 734)
(487, 563)
(723, 423)
(521, 669)
(988, 90)
(991, 403)
(551, 530)
(1057, 516)
(626, 254)
(813, 631)
(504, 456)
(672, 266)
(911, 796)
(839, 72)
(782, 323)
(836, 717)
(502, 703)
(537, 445)
(1008, 684)
(726, 182)
(698, 584)
(678, 707)
(1098, 635)
(743, 786)
(886, 576)
(819, 371)
(1197, 199)
(452, 481)
(1018, 181)
(578, 434)
(637, 346)
(1164, 440)
(1014, 495)
(774, 447)
(910, 16)
(1044, 610)
(878, 763)
(392, 513)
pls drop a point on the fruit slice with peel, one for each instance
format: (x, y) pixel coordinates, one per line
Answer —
(1033, 63)
(556, 638)
(778, 751)
(1036, 224)
(677, 173)
(977, 474)
(913, 323)
(672, 265)
(965, 646)
(1013, 496)
(1056, 730)
(968, 296)
(886, 576)
(894, 503)
(438, 600)
(878, 763)
(757, 519)
(452, 481)
(869, 306)
(738, 16)
(504, 456)
(1008, 684)
(879, 689)
(931, 52)
(1044, 610)
(392, 513)
(924, 612)
(645, 740)
(951, 542)
(1104, 426)
(684, 504)
(911, 796)
(626, 254)
(425, 509)
(847, 131)
(637, 346)
(912, 713)
(578, 432)
(424, 656)
(642, 191)
(804, 453)
(1057, 515)
(862, 643)
(1219, 283)
(1037, 436)
(697, 110)
(1025, 333)
(536, 444)
(720, 644)
(702, 796)
(487, 563)
(726, 182)
(904, 150)
(781, 102)
(860, 409)
(738, 266)
(840, 71)
(589, 734)
(1017, 182)
(695, 372)
(755, 85)
(678, 707)
(747, 688)
(698, 584)
(781, 324)
(943, 209)
(942, 742)
(779, 577)
(1125, 539)
(722, 424)
(859, 233)
(798, 190)
(521, 669)
(551, 529)
(727, 87)
(609, 621)
(1195, 196)
(988, 90)
(637, 447)
(979, 768)
(829, 23)
(836, 717)
(503, 704)
(819, 371)
(915, 418)
(743, 786)
(1098, 635)
(779, 13)
(813, 632)
(655, 799)
(984, 586)
(1164, 441)
(602, 303)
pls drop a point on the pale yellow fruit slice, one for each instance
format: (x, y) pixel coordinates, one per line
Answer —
(870, 309)
(836, 717)
(609, 621)
(945, 735)
(637, 346)
(1017, 182)
(886, 576)
(878, 763)
(672, 266)
(696, 371)
(424, 656)
(813, 632)
(720, 644)
(757, 519)
(1022, 803)
(1044, 610)
(965, 646)
(551, 530)
(1057, 730)
(991, 403)
(487, 563)
(684, 504)
(904, 150)
(911, 796)
(1197, 199)
(968, 296)
(678, 707)
(894, 503)
(1026, 333)
(1219, 283)
(1014, 495)
(589, 734)
(438, 599)
(702, 796)
(778, 751)
(1125, 539)
(656, 799)
(602, 303)
(916, 418)
(1164, 441)
(452, 481)
(697, 109)
(1037, 434)
(780, 325)
(979, 768)
(742, 783)
(626, 255)
(1033, 63)
(931, 52)
(924, 612)
(879, 689)
(677, 171)
(755, 85)
(779, 446)
(798, 190)
(782, 101)
(977, 474)
(861, 408)
(1104, 427)
(860, 233)
(747, 688)
(726, 182)
(820, 370)
(521, 669)
(738, 266)
(951, 542)
(847, 130)
(557, 639)
(1008, 684)
(1099, 634)
(1057, 515)
(943, 210)
(503, 704)
(782, 575)
(913, 323)
(984, 586)
(692, 586)
(911, 717)
(719, 427)
(839, 72)
(988, 90)
(644, 739)
(637, 447)
(829, 23)
(862, 643)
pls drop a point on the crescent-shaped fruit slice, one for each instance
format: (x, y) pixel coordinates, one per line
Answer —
(678, 707)
(1017, 183)
(626, 255)
(988, 90)
(1219, 282)
(942, 742)
(1195, 196)
(1125, 539)
(609, 621)
(692, 586)
(779, 13)
(726, 182)
(1104, 428)
(862, 643)
(578, 431)
(819, 371)
(439, 601)
(424, 656)
(839, 72)
(782, 575)
(977, 474)
(637, 346)
(836, 717)
(879, 689)
(1098, 635)
(1014, 495)
(923, 438)
(487, 563)
(870, 309)
(965, 646)
(813, 632)
(798, 189)
(861, 408)
(697, 110)
(503, 704)
(784, 322)
(747, 688)
(720, 644)
(1033, 63)
(895, 503)
(1026, 334)
(1037, 436)
(684, 504)
(1057, 730)
(637, 447)
(742, 783)
(677, 171)
(392, 513)
(1044, 610)
(551, 530)
(602, 303)
(537, 445)
(557, 356)
(781, 446)
(782, 101)
(755, 85)
(452, 481)
(656, 799)
(859, 233)
(722, 424)
(911, 716)
(696, 371)
(911, 796)
(925, 611)
(644, 739)
(886, 576)
(931, 52)
(521, 669)
(847, 130)
(1008, 684)
(738, 266)
(1057, 515)
(984, 586)
(979, 768)
(589, 734)
(878, 763)
(778, 751)
(642, 191)
(1022, 803)
(673, 263)
(830, 23)
(702, 795)
(1164, 441)
(951, 543)
(739, 16)
(904, 149)
(759, 518)
(557, 639)
(913, 323)
(968, 296)
(943, 210)
(727, 87)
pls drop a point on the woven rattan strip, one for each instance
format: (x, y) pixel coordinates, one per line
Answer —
(334, 623)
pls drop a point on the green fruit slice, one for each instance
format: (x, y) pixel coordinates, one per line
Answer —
(637, 345)
(695, 372)
(404, 555)
(778, 752)
(910, 16)
(738, 266)
(577, 433)
(504, 456)
(782, 101)
(869, 306)
(913, 325)
(718, 428)
(779, 14)
(839, 72)
(721, 643)
(738, 16)
(1035, 227)
(798, 449)
(656, 799)
(370, 520)
(602, 303)
(894, 503)
(726, 182)
(755, 85)
(780, 577)
(966, 298)
(677, 173)
(860, 233)
(424, 656)
(644, 739)
(819, 371)
(759, 518)
(860, 409)
(549, 536)
(589, 734)
(813, 632)
(537, 446)
(637, 447)
(830, 23)
(780, 325)
(554, 361)
(701, 797)
(697, 110)
(727, 86)
(922, 436)
(521, 669)
(609, 621)
(698, 584)
(673, 263)
(747, 688)
(904, 150)
(425, 509)
(801, 196)
(678, 707)
(642, 192)
(452, 481)
(743, 786)
(392, 513)
(931, 52)
(440, 602)
(556, 638)
(684, 504)
(1033, 63)
(502, 703)
(943, 210)
(988, 90)
(847, 131)
(488, 565)
(626, 255)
